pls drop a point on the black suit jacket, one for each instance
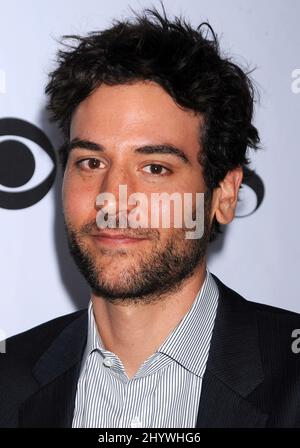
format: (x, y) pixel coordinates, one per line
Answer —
(252, 377)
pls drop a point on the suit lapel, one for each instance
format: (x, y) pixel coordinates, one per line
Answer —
(234, 366)
(57, 373)
(222, 407)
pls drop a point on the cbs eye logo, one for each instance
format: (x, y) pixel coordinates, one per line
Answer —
(26, 154)
(251, 194)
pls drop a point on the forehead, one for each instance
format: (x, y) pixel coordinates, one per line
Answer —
(137, 113)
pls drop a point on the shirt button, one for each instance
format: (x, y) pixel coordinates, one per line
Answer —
(136, 423)
(107, 362)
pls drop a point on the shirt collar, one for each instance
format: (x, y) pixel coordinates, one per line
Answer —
(188, 344)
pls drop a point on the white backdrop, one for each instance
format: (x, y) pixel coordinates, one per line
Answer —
(259, 256)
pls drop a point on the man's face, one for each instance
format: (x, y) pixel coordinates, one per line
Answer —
(120, 119)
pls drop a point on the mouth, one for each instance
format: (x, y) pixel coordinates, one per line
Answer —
(116, 238)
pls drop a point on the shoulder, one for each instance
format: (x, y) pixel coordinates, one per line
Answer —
(21, 353)
(278, 329)
(263, 311)
(31, 343)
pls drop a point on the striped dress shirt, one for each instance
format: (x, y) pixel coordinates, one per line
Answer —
(165, 391)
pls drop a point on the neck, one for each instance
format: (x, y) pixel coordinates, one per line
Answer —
(134, 331)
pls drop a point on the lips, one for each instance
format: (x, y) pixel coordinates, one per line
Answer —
(116, 238)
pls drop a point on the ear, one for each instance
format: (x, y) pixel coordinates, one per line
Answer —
(225, 196)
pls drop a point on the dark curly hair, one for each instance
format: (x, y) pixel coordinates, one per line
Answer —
(184, 62)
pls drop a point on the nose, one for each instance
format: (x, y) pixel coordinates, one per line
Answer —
(112, 199)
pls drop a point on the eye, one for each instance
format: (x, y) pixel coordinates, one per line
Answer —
(89, 163)
(156, 169)
(27, 164)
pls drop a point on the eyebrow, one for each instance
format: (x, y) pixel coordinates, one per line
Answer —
(146, 149)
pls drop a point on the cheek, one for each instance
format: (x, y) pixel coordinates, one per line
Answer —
(78, 201)
(174, 212)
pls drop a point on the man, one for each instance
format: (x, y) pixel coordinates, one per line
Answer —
(151, 105)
